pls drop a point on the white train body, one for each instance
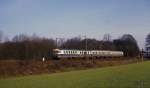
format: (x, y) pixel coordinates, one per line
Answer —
(64, 53)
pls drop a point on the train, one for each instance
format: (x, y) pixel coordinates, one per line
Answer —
(70, 53)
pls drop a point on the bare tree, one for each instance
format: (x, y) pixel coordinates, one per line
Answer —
(20, 38)
(1, 35)
(147, 45)
(147, 40)
(73, 43)
(35, 37)
(107, 37)
(6, 39)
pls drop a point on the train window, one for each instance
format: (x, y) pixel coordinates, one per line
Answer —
(66, 52)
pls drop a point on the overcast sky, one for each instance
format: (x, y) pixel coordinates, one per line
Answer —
(70, 18)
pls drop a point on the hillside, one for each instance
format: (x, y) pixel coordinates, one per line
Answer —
(125, 76)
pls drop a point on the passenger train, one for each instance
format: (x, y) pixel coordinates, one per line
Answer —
(65, 53)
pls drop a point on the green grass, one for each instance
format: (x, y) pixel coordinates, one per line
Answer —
(125, 76)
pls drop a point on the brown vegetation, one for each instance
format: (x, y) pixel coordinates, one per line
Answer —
(28, 67)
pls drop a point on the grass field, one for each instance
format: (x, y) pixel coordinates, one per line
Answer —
(125, 76)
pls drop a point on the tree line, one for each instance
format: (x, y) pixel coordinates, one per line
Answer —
(126, 43)
(25, 47)
(34, 47)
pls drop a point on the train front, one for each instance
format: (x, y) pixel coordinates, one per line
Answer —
(56, 53)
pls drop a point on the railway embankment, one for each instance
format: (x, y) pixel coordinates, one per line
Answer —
(11, 68)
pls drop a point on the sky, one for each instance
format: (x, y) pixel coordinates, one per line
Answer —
(71, 18)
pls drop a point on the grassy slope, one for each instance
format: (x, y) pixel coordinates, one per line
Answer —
(126, 76)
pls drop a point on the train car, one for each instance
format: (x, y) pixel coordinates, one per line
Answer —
(65, 53)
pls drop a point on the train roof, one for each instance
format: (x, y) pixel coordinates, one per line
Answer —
(87, 50)
(66, 49)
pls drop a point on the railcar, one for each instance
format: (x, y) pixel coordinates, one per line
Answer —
(65, 53)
